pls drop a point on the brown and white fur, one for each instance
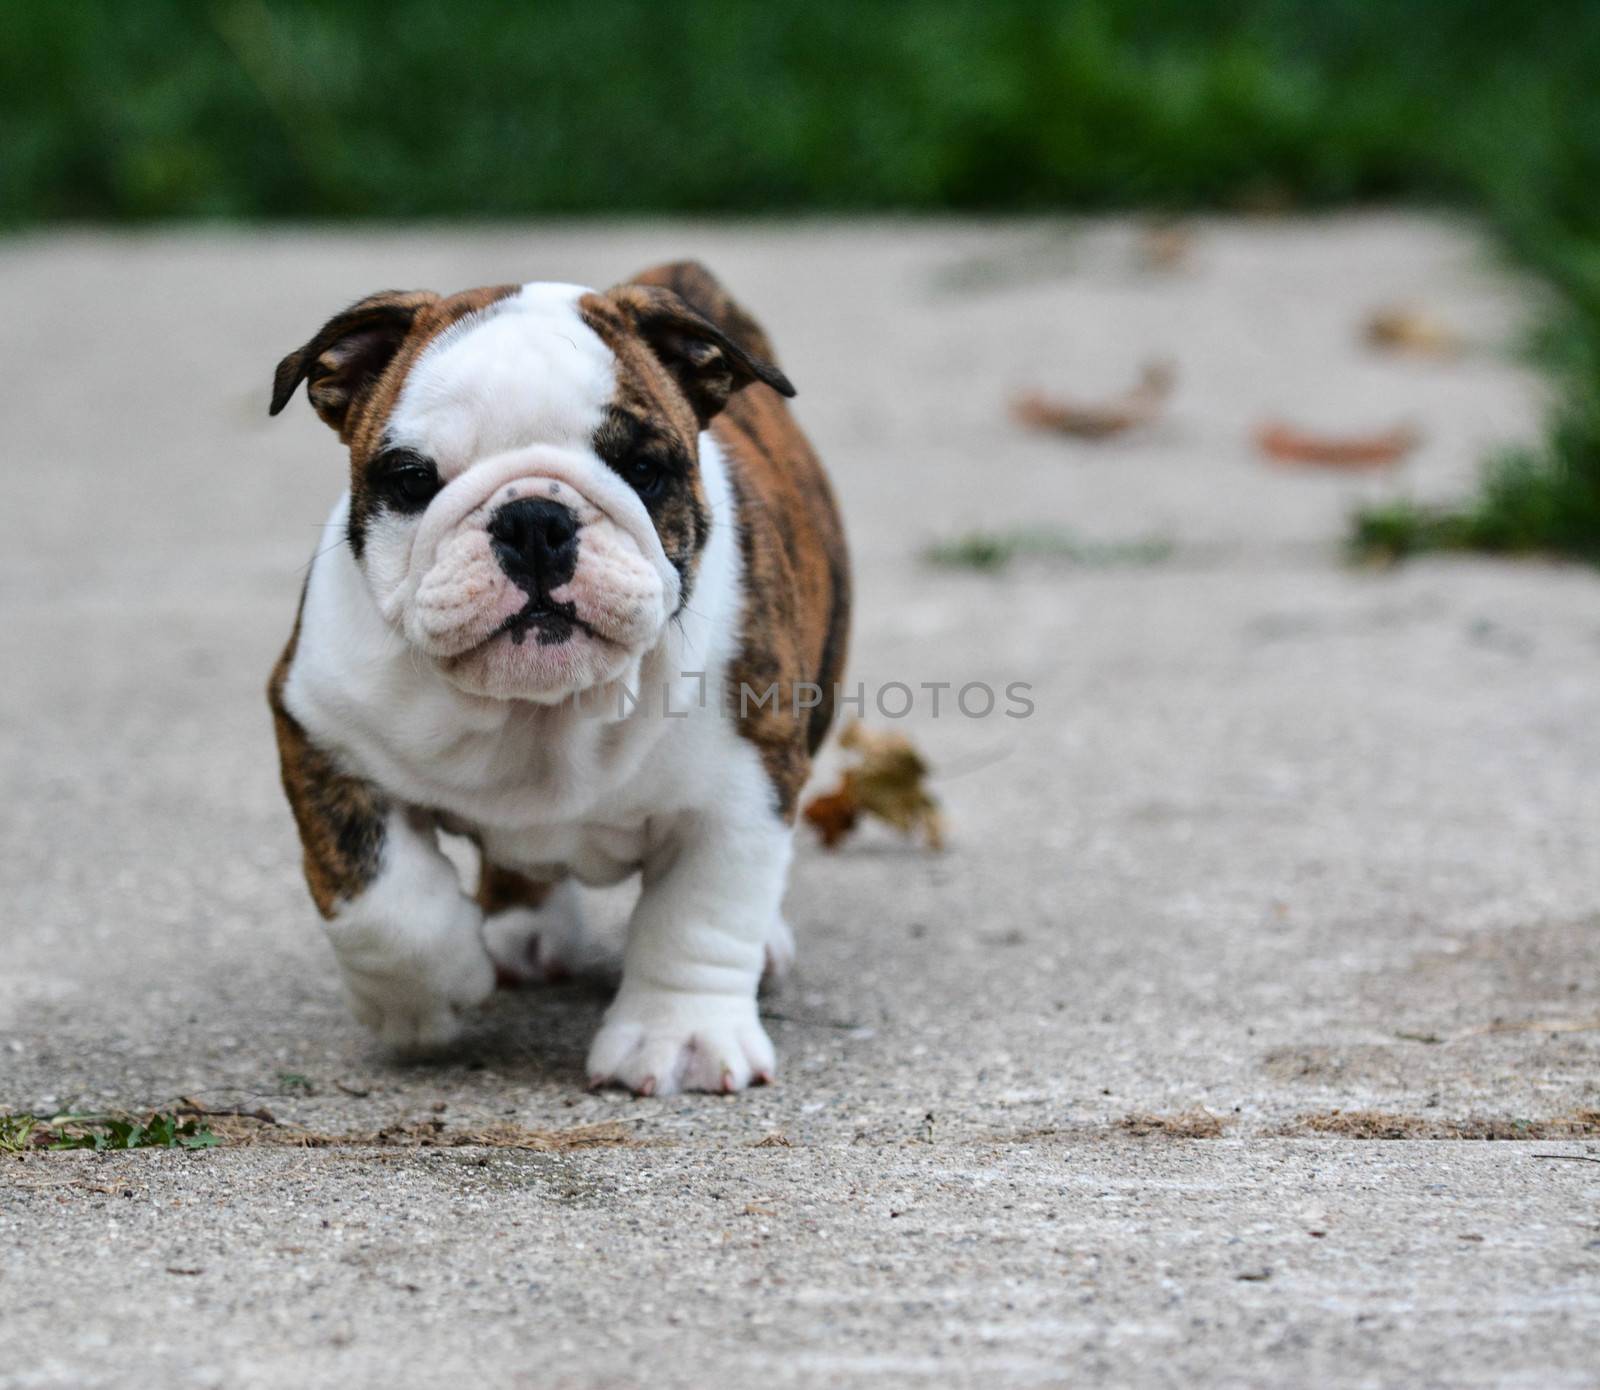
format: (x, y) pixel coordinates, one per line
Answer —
(576, 520)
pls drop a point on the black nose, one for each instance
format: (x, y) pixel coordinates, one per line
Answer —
(536, 542)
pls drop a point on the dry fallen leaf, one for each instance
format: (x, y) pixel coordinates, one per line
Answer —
(1081, 420)
(776, 1140)
(1286, 444)
(886, 782)
(834, 814)
(1165, 246)
(1405, 328)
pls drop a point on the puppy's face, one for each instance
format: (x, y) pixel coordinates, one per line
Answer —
(525, 497)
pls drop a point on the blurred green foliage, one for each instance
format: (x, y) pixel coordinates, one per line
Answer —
(277, 109)
(412, 108)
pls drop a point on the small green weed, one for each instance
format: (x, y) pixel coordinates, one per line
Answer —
(103, 1133)
(992, 551)
(1543, 501)
(15, 1132)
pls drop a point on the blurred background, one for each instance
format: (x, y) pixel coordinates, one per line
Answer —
(245, 111)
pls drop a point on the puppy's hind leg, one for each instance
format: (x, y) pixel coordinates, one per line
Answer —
(778, 955)
(534, 931)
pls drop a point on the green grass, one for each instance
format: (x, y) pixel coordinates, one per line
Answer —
(104, 1133)
(1543, 500)
(1531, 502)
(300, 109)
(408, 108)
(16, 1133)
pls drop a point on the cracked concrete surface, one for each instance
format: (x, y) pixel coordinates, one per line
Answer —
(1282, 838)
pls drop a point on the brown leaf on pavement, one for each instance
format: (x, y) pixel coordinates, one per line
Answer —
(1286, 444)
(886, 782)
(1101, 420)
(1165, 246)
(834, 814)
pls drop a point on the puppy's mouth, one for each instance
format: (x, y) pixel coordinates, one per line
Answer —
(550, 623)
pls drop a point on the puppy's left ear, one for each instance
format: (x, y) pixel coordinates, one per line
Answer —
(349, 353)
(707, 364)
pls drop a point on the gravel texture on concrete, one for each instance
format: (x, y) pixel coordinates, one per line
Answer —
(1290, 854)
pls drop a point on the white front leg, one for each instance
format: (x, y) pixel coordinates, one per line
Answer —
(685, 1018)
(409, 945)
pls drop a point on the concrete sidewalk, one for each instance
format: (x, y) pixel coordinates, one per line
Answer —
(1284, 842)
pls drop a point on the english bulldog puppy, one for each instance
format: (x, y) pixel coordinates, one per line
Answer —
(591, 612)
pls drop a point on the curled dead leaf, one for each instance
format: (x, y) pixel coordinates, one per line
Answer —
(1165, 246)
(776, 1140)
(834, 814)
(1286, 444)
(1083, 420)
(887, 781)
(1406, 328)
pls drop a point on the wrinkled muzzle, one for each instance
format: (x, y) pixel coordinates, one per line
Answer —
(535, 575)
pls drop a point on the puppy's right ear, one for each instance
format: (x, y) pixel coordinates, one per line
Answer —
(349, 353)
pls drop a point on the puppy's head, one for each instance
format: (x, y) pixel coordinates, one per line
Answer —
(525, 496)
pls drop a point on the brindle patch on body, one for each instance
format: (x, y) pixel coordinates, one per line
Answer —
(340, 818)
(796, 620)
(500, 889)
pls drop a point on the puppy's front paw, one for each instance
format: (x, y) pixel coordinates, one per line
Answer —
(413, 999)
(657, 1042)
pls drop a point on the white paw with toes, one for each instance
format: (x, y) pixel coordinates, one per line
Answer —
(658, 1042)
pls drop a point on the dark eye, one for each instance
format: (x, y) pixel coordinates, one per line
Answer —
(644, 475)
(405, 480)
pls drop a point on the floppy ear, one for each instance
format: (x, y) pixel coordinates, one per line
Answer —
(348, 353)
(706, 363)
